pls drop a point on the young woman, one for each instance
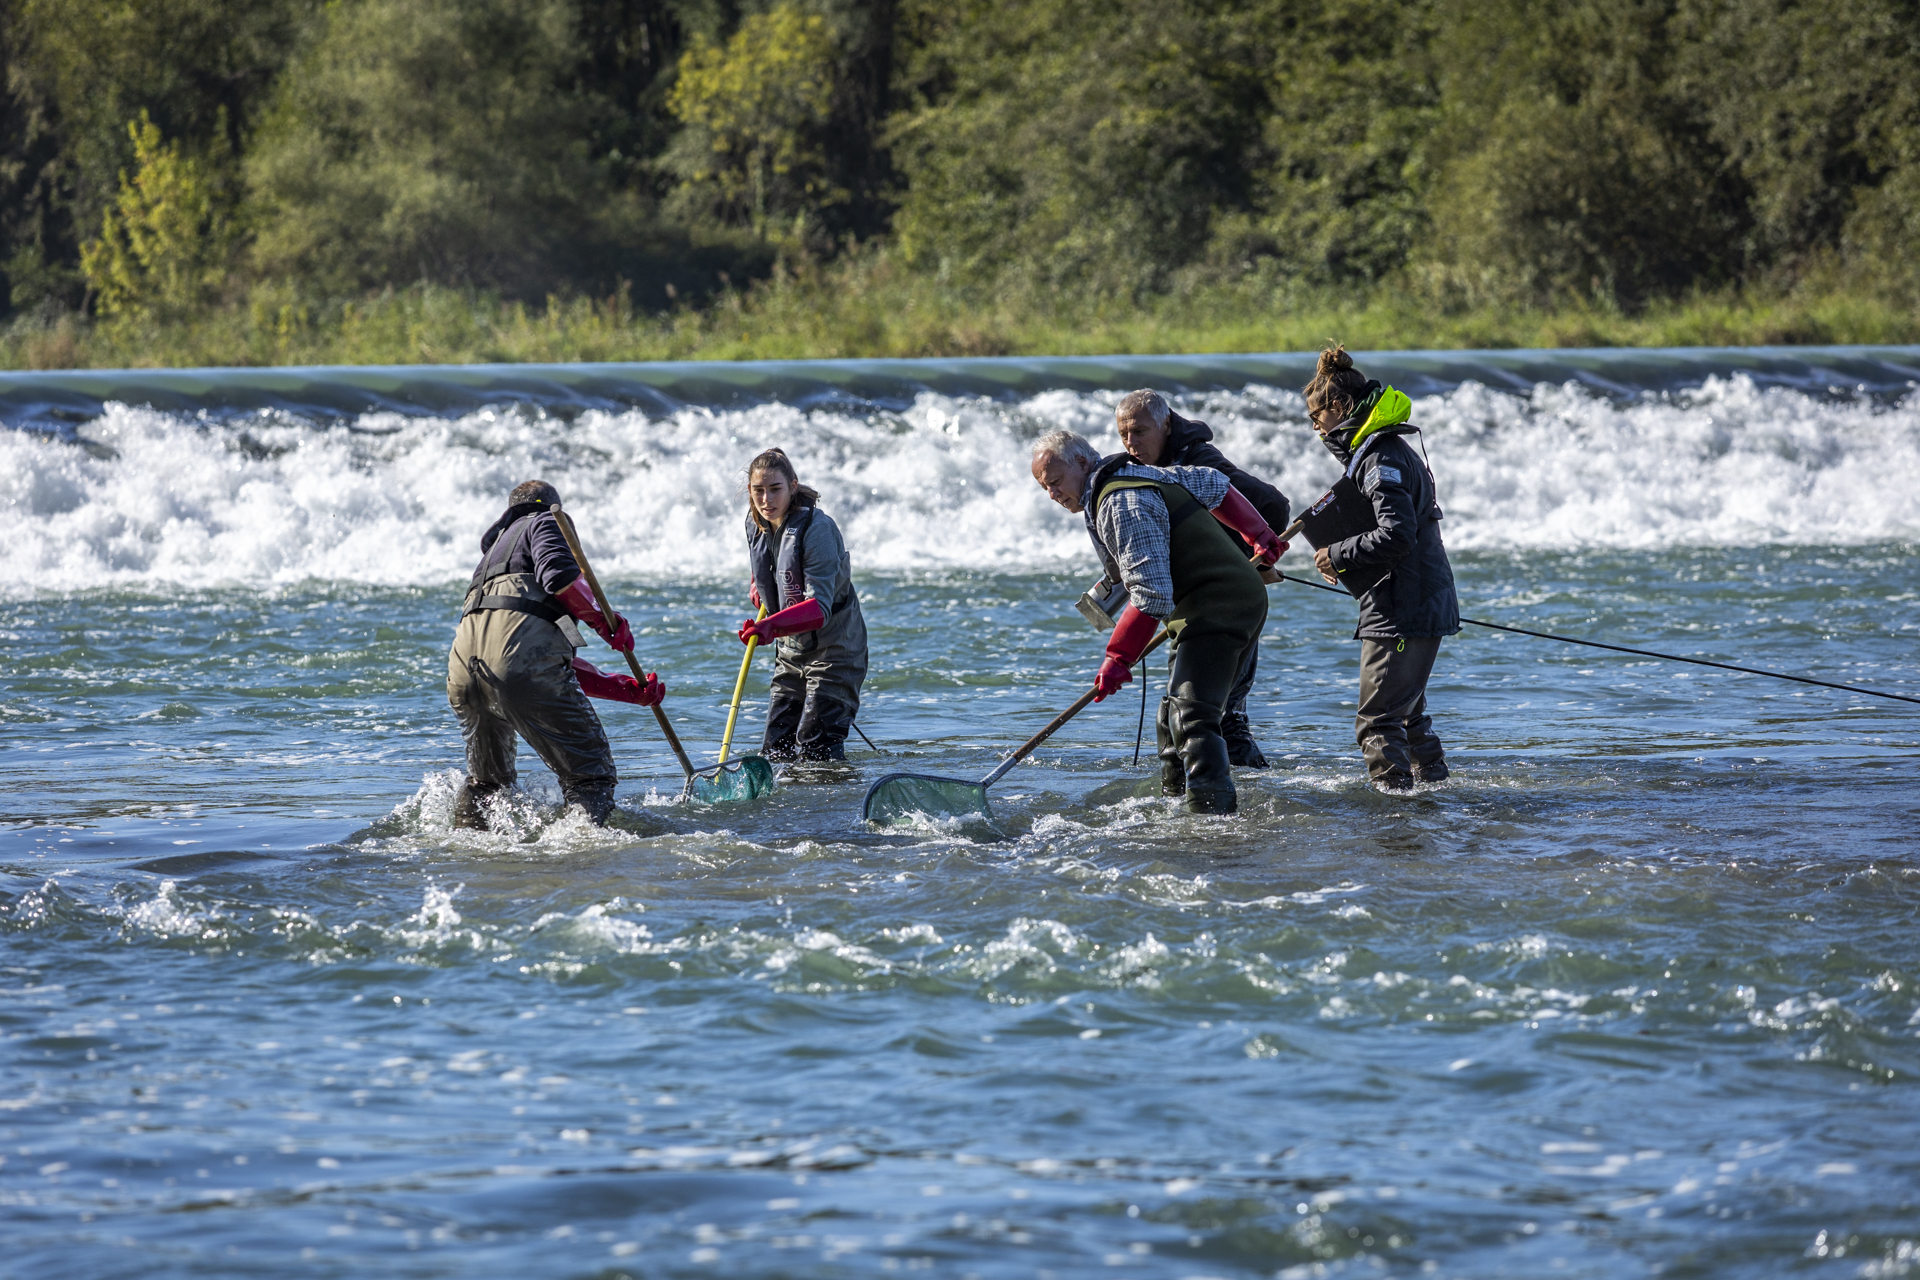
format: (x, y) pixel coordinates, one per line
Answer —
(1407, 612)
(803, 578)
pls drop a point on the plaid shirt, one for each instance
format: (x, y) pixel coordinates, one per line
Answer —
(1132, 527)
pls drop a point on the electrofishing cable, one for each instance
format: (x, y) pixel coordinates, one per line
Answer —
(1140, 731)
(855, 726)
(1646, 653)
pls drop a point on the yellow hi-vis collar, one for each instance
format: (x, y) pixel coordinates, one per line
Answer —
(1390, 410)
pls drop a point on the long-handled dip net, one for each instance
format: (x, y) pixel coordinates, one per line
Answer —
(747, 778)
(901, 797)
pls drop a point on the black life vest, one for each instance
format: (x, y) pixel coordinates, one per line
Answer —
(507, 556)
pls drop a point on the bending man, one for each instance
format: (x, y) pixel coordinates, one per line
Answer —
(1153, 433)
(512, 667)
(1191, 573)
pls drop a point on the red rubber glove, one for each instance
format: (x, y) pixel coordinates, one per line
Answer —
(596, 683)
(1238, 514)
(753, 593)
(577, 599)
(808, 615)
(1131, 635)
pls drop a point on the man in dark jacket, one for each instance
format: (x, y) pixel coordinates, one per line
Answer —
(1405, 614)
(1152, 433)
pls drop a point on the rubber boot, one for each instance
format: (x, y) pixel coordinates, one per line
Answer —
(1242, 750)
(1173, 770)
(1203, 753)
(593, 799)
(471, 805)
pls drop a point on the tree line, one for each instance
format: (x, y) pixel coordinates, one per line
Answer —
(162, 157)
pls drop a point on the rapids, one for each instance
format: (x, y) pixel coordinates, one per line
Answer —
(1633, 994)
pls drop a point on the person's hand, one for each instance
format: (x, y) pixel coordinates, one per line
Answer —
(808, 615)
(753, 592)
(596, 683)
(1270, 549)
(1112, 674)
(1324, 563)
(621, 635)
(1132, 632)
(627, 689)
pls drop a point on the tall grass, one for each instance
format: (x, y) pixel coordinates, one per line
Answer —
(868, 306)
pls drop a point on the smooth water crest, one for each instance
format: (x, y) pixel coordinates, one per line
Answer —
(1633, 994)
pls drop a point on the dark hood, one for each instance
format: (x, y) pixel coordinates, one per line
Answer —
(1339, 441)
(1183, 433)
(507, 518)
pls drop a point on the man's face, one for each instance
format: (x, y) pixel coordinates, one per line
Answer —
(1064, 481)
(1143, 438)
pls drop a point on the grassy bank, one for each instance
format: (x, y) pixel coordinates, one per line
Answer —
(869, 308)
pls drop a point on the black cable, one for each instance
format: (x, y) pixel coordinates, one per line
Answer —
(1141, 731)
(1646, 653)
(854, 725)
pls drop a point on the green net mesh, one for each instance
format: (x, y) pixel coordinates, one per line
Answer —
(747, 778)
(899, 797)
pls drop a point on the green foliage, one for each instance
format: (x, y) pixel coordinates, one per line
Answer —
(79, 70)
(1082, 146)
(1341, 179)
(167, 242)
(1569, 163)
(752, 152)
(1817, 108)
(427, 140)
(996, 168)
(871, 304)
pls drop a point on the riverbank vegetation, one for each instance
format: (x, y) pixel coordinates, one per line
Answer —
(203, 182)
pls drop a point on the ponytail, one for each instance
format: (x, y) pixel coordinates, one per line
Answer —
(1336, 384)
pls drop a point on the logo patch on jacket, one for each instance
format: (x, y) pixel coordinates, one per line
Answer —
(1391, 474)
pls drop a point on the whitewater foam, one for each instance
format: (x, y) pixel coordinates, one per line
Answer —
(143, 497)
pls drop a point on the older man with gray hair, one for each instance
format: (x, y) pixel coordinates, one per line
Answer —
(1152, 433)
(1190, 573)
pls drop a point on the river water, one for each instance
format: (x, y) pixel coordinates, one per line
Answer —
(1634, 994)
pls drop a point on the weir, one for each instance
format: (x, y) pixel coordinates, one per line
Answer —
(53, 400)
(198, 478)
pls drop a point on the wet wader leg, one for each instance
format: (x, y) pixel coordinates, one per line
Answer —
(1204, 668)
(1393, 699)
(1423, 744)
(785, 703)
(1173, 770)
(489, 738)
(525, 666)
(553, 715)
(1234, 725)
(833, 700)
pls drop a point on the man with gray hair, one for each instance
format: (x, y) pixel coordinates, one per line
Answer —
(1190, 573)
(1152, 433)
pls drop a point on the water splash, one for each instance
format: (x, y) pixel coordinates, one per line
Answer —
(143, 496)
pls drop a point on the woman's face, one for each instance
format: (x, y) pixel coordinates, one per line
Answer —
(770, 494)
